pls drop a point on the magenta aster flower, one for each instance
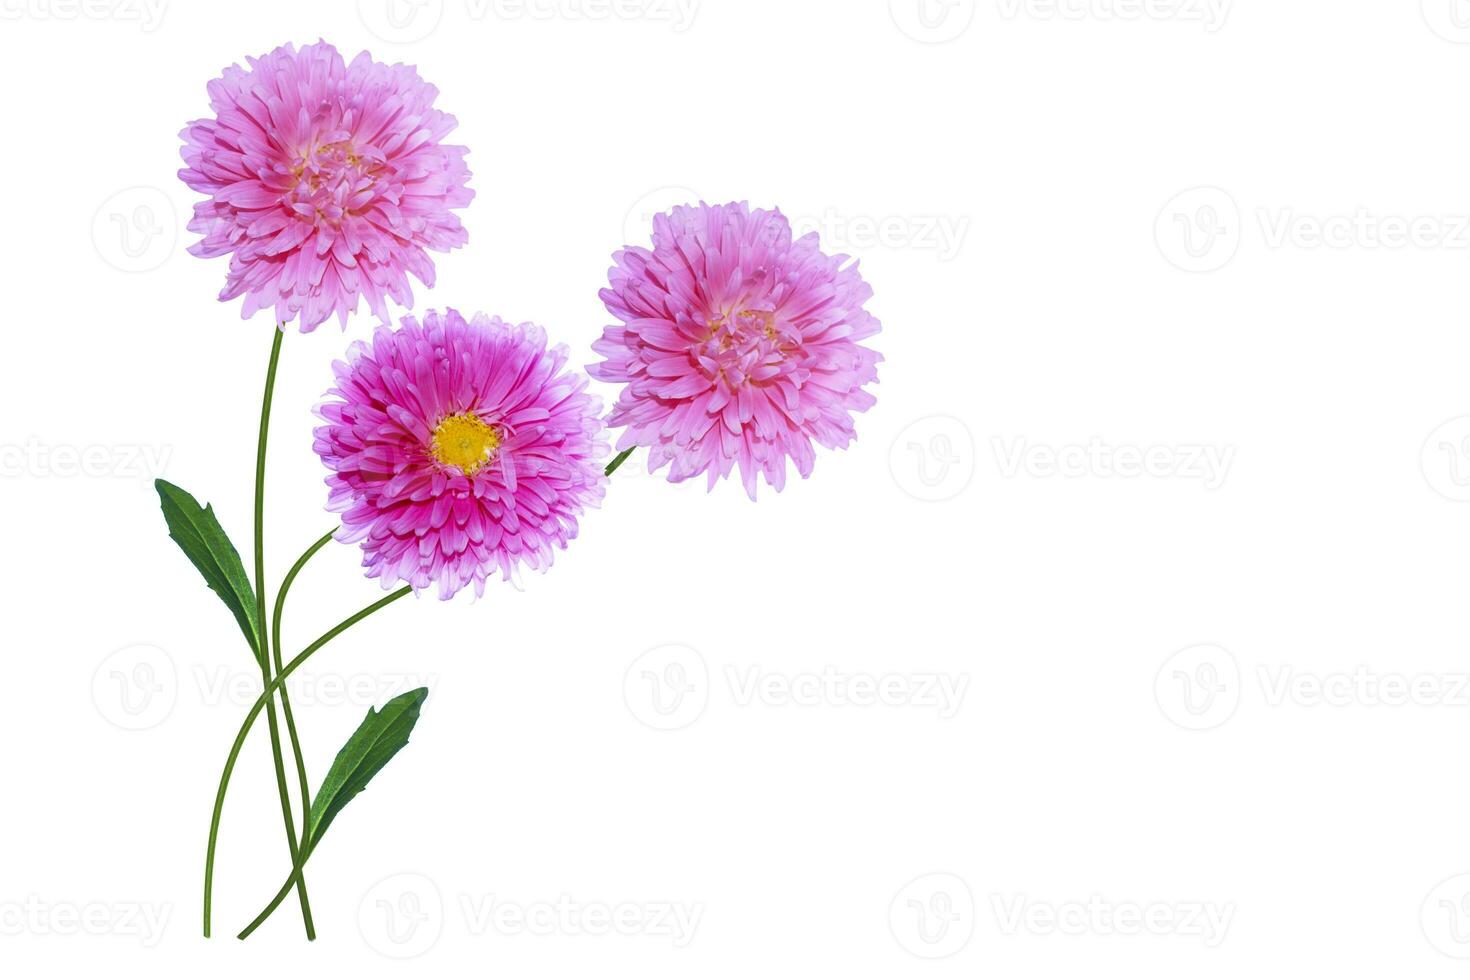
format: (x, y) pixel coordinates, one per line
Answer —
(327, 183)
(458, 448)
(736, 345)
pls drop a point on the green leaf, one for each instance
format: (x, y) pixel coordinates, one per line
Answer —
(377, 739)
(196, 530)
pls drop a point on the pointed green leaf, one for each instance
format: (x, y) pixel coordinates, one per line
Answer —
(196, 530)
(377, 739)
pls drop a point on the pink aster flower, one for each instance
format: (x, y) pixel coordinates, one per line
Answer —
(327, 183)
(736, 345)
(458, 448)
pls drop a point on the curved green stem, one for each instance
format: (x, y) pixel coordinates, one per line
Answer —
(299, 862)
(265, 632)
(618, 460)
(280, 897)
(265, 697)
(303, 783)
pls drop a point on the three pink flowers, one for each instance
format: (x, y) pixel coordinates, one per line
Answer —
(460, 448)
(737, 346)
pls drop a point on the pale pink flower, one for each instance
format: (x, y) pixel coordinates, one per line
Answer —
(736, 345)
(327, 183)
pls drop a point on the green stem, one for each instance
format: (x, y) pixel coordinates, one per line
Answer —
(291, 880)
(260, 703)
(303, 783)
(265, 633)
(295, 878)
(617, 461)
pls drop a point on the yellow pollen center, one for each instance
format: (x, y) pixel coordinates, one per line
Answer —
(764, 319)
(466, 442)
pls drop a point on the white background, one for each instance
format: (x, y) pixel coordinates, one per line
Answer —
(1098, 234)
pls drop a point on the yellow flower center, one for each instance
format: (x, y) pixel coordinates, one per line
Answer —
(762, 320)
(465, 441)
